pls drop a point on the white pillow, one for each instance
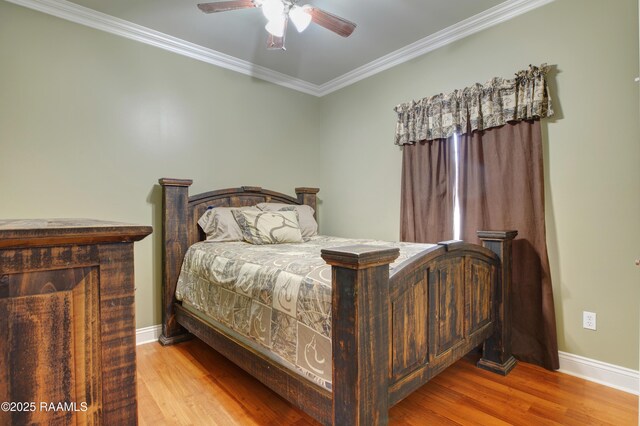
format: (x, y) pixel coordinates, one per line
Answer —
(308, 224)
(219, 224)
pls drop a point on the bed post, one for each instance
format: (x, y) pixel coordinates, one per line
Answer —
(497, 355)
(175, 198)
(308, 196)
(360, 333)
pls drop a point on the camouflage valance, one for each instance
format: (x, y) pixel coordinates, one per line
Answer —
(477, 107)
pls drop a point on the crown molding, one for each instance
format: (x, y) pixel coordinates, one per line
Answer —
(101, 21)
(490, 17)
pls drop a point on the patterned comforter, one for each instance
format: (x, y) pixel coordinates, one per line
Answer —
(276, 298)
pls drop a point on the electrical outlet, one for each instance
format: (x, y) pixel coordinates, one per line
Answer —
(589, 320)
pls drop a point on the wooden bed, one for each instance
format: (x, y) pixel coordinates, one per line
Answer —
(390, 334)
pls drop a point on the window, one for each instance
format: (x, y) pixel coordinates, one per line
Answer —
(456, 201)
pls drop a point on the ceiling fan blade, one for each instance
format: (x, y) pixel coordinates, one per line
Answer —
(223, 6)
(331, 22)
(277, 43)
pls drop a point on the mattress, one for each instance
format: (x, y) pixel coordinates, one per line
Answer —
(274, 298)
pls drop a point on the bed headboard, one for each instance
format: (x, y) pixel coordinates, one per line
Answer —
(180, 214)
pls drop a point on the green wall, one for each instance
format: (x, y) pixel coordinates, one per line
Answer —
(592, 155)
(89, 121)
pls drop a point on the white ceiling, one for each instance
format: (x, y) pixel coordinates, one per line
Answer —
(316, 61)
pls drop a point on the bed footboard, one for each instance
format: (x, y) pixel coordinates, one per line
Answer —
(496, 354)
(391, 335)
(360, 333)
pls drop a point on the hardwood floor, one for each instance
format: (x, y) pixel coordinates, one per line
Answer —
(191, 384)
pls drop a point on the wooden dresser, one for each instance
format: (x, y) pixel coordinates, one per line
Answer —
(67, 322)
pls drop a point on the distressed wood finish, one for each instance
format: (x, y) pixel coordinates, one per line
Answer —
(497, 355)
(390, 334)
(308, 196)
(441, 309)
(175, 233)
(68, 320)
(50, 232)
(360, 333)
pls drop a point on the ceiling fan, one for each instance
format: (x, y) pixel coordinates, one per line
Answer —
(278, 13)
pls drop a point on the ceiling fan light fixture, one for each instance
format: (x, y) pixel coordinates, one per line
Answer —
(300, 17)
(272, 9)
(278, 13)
(276, 26)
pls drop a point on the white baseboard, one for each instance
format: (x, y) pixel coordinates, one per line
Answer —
(148, 334)
(624, 379)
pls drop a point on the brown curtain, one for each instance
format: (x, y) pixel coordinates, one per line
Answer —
(502, 187)
(426, 209)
